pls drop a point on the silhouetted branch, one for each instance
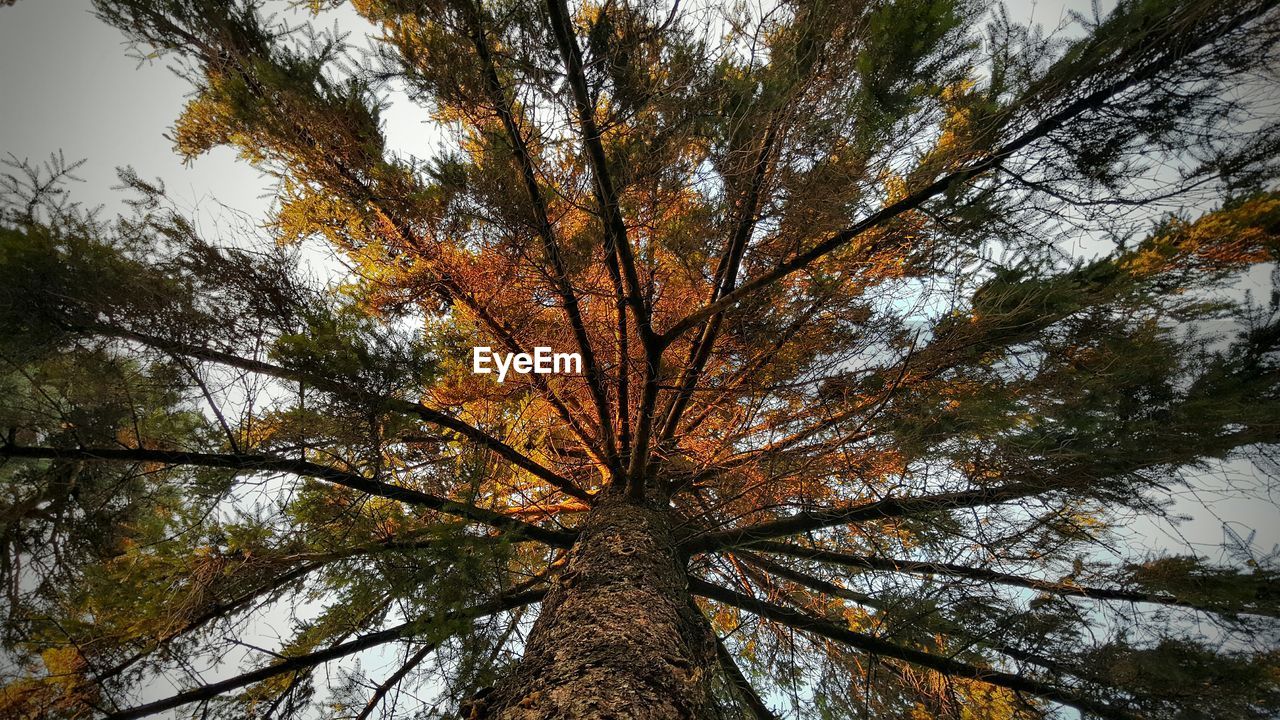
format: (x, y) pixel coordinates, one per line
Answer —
(876, 646)
(749, 695)
(917, 567)
(430, 415)
(393, 680)
(265, 463)
(560, 274)
(875, 510)
(309, 660)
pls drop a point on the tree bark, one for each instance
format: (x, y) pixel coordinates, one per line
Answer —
(618, 636)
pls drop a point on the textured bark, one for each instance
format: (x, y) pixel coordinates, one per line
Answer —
(617, 636)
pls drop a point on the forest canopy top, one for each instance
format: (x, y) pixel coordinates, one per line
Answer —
(854, 435)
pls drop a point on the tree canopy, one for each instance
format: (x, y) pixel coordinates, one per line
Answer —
(893, 316)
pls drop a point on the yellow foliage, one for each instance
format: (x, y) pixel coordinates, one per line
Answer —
(63, 687)
(1225, 240)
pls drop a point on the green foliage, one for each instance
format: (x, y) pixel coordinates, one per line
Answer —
(907, 58)
(348, 345)
(1229, 589)
(1186, 680)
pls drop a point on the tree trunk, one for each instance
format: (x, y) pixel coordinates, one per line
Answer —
(617, 636)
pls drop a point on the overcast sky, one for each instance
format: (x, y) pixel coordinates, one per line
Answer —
(66, 83)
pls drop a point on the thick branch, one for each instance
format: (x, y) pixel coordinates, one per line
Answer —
(749, 695)
(542, 223)
(430, 415)
(216, 52)
(218, 610)
(394, 680)
(982, 574)
(876, 510)
(265, 463)
(827, 588)
(615, 228)
(876, 646)
(309, 563)
(309, 660)
(616, 236)
(726, 280)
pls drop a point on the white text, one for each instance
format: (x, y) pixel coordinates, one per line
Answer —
(541, 362)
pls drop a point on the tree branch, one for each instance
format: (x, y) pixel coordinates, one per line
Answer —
(302, 662)
(519, 528)
(749, 695)
(393, 680)
(616, 235)
(218, 610)
(310, 562)
(562, 28)
(875, 510)
(876, 646)
(726, 280)
(932, 568)
(542, 223)
(217, 51)
(827, 588)
(427, 414)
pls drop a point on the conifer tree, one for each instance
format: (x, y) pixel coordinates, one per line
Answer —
(858, 429)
